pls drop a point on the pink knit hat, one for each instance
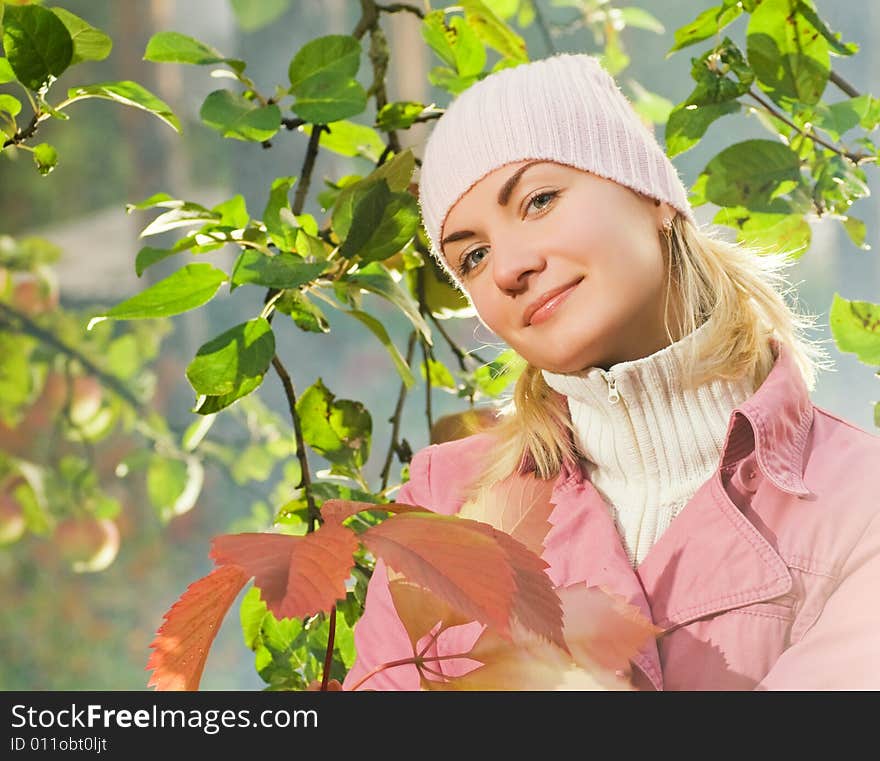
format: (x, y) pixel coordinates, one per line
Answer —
(565, 108)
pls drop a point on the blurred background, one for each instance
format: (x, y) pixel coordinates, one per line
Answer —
(61, 630)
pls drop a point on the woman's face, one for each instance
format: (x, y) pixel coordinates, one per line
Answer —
(563, 265)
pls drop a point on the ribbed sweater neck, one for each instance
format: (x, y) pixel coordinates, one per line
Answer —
(649, 443)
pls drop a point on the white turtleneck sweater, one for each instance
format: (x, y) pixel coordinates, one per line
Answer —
(649, 444)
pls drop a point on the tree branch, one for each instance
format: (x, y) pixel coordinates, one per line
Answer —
(397, 7)
(844, 85)
(14, 319)
(395, 418)
(290, 392)
(855, 158)
(24, 134)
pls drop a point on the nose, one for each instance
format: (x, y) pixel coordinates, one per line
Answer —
(514, 261)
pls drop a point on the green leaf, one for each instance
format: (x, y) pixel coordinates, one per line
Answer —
(181, 215)
(129, 94)
(252, 16)
(89, 43)
(10, 105)
(688, 123)
(188, 288)
(45, 157)
(173, 47)
(838, 118)
(440, 375)
(808, 11)
(857, 231)
(398, 221)
(750, 174)
(124, 357)
(234, 116)
(775, 232)
(649, 105)
(6, 72)
(855, 326)
(399, 115)
(712, 73)
(322, 79)
(378, 330)
(37, 45)
(396, 173)
(334, 56)
(173, 486)
(368, 212)
(350, 139)
(438, 37)
(279, 271)
(338, 430)
(159, 199)
(233, 213)
(377, 279)
(787, 53)
(236, 357)
(278, 214)
(706, 25)
(323, 100)
(493, 378)
(493, 31)
(303, 312)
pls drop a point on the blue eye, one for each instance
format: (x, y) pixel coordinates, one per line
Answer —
(467, 261)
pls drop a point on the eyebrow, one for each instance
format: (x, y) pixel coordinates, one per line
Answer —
(503, 198)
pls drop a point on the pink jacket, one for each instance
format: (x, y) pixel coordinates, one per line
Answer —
(768, 579)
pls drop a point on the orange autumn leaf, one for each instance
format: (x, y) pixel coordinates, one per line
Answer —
(519, 505)
(298, 576)
(181, 646)
(337, 510)
(420, 610)
(480, 571)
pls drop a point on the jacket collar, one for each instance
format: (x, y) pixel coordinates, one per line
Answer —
(728, 562)
(774, 423)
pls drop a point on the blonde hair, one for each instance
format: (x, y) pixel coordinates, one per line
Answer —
(742, 287)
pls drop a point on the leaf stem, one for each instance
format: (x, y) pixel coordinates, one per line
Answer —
(414, 660)
(328, 659)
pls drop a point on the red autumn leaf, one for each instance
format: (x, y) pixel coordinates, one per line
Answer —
(181, 646)
(420, 610)
(480, 571)
(337, 510)
(297, 575)
(519, 505)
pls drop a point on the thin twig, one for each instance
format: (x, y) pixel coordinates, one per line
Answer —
(398, 410)
(844, 85)
(290, 392)
(460, 353)
(397, 7)
(856, 158)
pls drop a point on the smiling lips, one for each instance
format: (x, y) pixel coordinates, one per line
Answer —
(545, 305)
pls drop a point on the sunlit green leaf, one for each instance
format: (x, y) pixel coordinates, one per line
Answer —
(350, 139)
(334, 55)
(89, 43)
(376, 278)
(234, 116)
(687, 124)
(325, 100)
(338, 430)
(173, 47)
(787, 53)
(855, 326)
(10, 104)
(399, 115)
(6, 72)
(188, 288)
(706, 25)
(173, 485)
(234, 358)
(37, 45)
(182, 215)
(279, 271)
(857, 231)
(278, 215)
(493, 31)
(129, 94)
(303, 312)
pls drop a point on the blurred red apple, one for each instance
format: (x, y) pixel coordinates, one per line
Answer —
(32, 295)
(87, 543)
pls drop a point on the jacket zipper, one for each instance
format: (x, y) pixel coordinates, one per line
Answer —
(613, 393)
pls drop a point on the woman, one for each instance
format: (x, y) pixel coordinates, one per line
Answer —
(665, 397)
